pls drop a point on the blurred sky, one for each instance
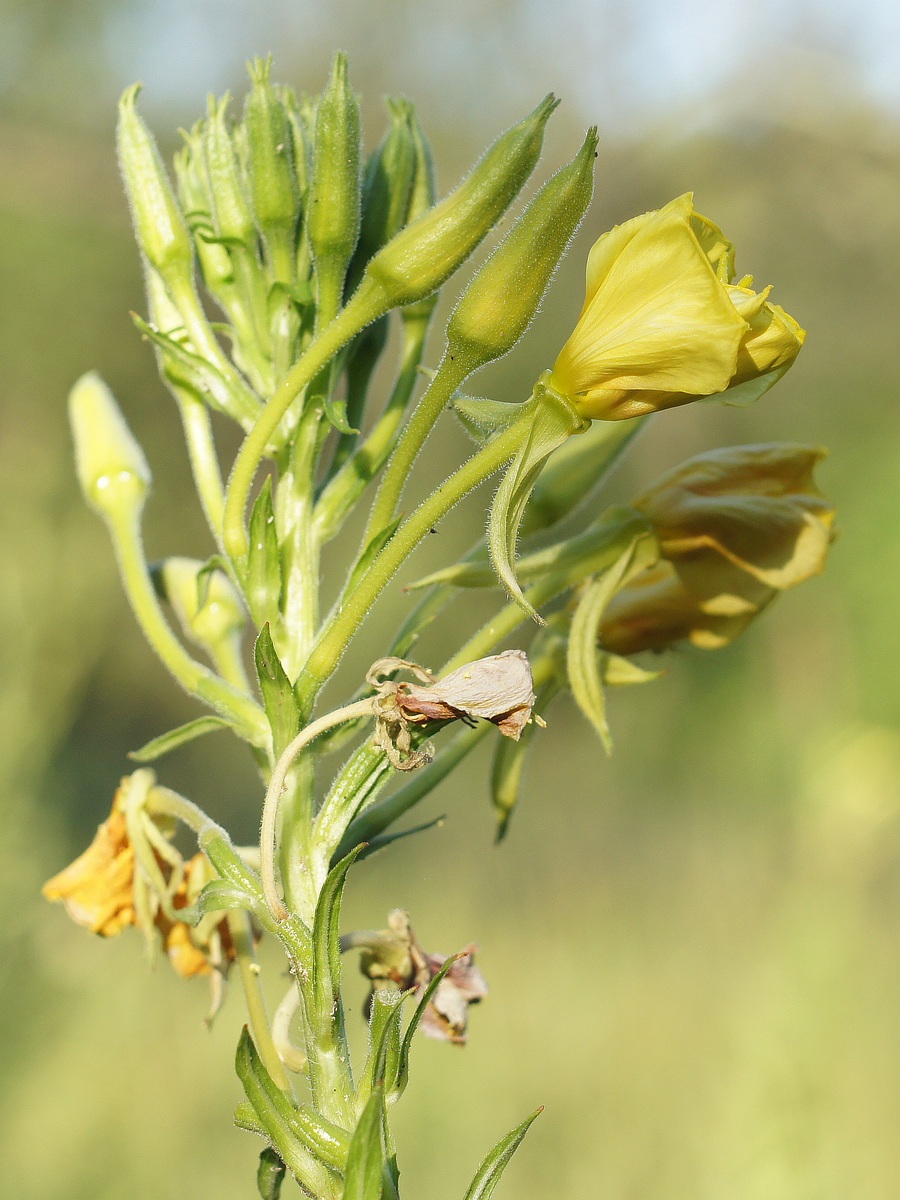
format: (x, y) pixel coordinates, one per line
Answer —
(623, 64)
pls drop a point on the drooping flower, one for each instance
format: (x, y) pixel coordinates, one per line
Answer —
(393, 958)
(664, 322)
(735, 526)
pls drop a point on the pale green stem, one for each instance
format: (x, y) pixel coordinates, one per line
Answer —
(269, 826)
(196, 679)
(337, 633)
(347, 485)
(360, 310)
(201, 448)
(242, 940)
(229, 659)
(300, 548)
(450, 374)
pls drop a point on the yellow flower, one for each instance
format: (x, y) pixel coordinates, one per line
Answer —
(735, 526)
(98, 891)
(664, 322)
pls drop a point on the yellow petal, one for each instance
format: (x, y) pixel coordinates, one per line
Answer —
(659, 318)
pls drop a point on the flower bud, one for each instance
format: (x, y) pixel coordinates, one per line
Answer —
(387, 186)
(193, 192)
(111, 466)
(333, 212)
(422, 197)
(426, 253)
(232, 216)
(159, 225)
(208, 608)
(274, 189)
(662, 323)
(501, 300)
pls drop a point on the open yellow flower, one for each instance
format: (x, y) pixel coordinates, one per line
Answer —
(664, 322)
(735, 526)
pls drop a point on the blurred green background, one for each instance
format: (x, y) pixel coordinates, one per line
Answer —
(693, 948)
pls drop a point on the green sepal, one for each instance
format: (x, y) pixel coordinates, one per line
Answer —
(277, 693)
(167, 742)
(484, 419)
(622, 672)
(488, 1174)
(383, 1059)
(366, 1162)
(552, 421)
(270, 1174)
(263, 584)
(583, 658)
(509, 763)
(277, 1115)
(326, 949)
(376, 544)
(434, 983)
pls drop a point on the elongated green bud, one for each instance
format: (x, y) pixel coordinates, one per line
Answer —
(193, 192)
(427, 252)
(160, 227)
(208, 608)
(231, 213)
(500, 302)
(111, 466)
(387, 185)
(422, 196)
(334, 202)
(274, 190)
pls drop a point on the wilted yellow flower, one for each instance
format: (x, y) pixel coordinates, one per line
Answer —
(98, 887)
(664, 322)
(98, 891)
(735, 526)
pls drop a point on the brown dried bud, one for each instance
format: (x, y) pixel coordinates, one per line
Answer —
(499, 689)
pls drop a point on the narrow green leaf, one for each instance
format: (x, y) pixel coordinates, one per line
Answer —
(167, 742)
(406, 1045)
(373, 845)
(622, 672)
(275, 1114)
(509, 763)
(263, 559)
(583, 658)
(270, 1174)
(336, 412)
(277, 693)
(366, 1161)
(326, 950)
(384, 1042)
(488, 1174)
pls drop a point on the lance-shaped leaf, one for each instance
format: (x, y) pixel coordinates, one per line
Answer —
(263, 584)
(326, 956)
(270, 1174)
(509, 762)
(366, 1161)
(551, 422)
(277, 693)
(167, 742)
(622, 672)
(583, 660)
(275, 1114)
(402, 1076)
(383, 1060)
(488, 1174)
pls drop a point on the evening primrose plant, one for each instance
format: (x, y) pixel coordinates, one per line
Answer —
(278, 259)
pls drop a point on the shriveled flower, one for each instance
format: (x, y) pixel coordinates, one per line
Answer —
(393, 958)
(97, 889)
(100, 891)
(735, 526)
(664, 322)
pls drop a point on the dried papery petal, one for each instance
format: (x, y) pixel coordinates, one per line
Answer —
(498, 688)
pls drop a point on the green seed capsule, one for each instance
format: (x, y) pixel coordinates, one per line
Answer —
(427, 252)
(232, 216)
(274, 191)
(111, 466)
(500, 302)
(160, 227)
(333, 214)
